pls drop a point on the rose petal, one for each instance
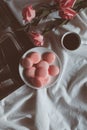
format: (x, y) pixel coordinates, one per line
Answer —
(37, 39)
(28, 13)
(67, 13)
(66, 3)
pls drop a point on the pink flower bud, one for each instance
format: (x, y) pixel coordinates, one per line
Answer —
(67, 13)
(28, 13)
(37, 39)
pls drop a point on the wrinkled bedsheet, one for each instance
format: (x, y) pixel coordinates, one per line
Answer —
(62, 106)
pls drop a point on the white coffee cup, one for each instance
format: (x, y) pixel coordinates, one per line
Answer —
(70, 41)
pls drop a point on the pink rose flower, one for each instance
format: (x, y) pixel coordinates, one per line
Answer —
(66, 3)
(37, 39)
(67, 13)
(28, 13)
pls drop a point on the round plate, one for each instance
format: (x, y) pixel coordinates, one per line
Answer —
(41, 50)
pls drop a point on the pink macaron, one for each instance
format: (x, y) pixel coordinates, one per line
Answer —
(30, 73)
(43, 63)
(26, 62)
(41, 72)
(49, 57)
(53, 70)
(38, 82)
(35, 57)
(41, 82)
(46, 80)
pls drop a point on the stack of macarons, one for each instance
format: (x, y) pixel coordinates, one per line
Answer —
(39, 68)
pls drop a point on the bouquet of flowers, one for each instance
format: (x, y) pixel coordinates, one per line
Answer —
(32, 16)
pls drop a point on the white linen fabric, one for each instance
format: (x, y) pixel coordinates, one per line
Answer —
(62, 106)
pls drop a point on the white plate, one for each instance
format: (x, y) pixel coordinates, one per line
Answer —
(41, 50)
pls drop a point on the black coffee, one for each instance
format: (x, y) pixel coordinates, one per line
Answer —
(71, 41)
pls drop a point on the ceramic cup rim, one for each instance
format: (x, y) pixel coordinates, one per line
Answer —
(65, 34)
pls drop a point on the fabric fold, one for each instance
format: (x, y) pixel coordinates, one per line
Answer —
(62, 106)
